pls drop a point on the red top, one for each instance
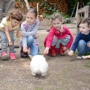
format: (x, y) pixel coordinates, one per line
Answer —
(59, 35)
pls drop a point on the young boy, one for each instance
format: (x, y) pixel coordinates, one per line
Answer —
(82, 40)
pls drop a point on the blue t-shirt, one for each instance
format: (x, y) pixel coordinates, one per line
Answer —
(79, 37)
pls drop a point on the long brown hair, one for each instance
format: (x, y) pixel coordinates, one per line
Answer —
(15, 14)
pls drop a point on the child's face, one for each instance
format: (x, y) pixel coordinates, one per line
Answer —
(14, 22)
(83, 28)
(30, 18)
(57, 24)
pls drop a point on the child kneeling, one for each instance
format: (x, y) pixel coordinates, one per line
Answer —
(82, 40)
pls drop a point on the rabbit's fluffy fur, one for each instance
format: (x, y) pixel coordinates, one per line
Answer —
(38, 65)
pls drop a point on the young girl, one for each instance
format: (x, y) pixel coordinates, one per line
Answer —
(59, 38)
(82, 40)
(29, 30)
(7, 27)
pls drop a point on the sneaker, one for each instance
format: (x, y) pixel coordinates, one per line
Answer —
(79, 57)
(23, 54)
(4, 56)
(12, 56)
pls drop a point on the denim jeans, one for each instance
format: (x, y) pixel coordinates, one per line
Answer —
(32, 47)
(82, 48)
(4, 41)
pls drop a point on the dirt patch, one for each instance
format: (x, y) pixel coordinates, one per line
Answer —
(65, 73)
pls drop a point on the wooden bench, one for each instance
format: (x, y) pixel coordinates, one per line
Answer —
(85, 11)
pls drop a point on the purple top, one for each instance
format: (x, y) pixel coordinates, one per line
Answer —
(28, 30)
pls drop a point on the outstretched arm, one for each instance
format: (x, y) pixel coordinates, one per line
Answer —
(7, 35)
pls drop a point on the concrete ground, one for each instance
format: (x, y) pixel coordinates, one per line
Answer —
(64, 73)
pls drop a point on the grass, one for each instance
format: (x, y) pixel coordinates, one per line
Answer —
(64, 71)
(64, 81)
(87, 66)
(76, 52)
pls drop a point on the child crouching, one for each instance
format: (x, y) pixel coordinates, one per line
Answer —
(59, 38)
(82, 40)
(7, 27)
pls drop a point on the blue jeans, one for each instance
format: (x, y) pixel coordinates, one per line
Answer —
(82, 48)
(32, 47)
(4, 41)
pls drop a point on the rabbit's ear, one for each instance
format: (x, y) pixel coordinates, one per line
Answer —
(30, 56)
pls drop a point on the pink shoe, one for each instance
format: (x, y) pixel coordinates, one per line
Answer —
(12, 56)
(4, 56)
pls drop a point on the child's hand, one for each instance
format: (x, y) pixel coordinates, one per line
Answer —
(10, 43)
(86, 57)
(70, 53)
(2, 29)
(88, 44)
(25, 49)
(64, 49)
(46, 51)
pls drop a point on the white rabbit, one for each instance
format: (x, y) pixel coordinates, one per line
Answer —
(38, 65)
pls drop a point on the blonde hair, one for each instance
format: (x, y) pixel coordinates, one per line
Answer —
(15, 14)
(56, 16)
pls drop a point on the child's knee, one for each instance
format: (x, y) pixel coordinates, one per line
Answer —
(81, 43)
(30, 39)
(67, 39)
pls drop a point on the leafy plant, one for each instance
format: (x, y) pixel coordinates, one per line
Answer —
(16, 0)
(65, 15)
(49, 8)
(31, 0)
(88, 4)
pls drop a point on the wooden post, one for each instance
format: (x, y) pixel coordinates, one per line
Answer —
(22, 6)
(27, 4)
(37, 12)
(84, 10)
(78, 21)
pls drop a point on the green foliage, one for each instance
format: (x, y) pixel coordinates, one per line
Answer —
(87, 66)
(86, 53)
(16, 0)
(65, 15)
(31, 0)
(71, 4)
(88, 4)
(48, 14)
(49, 8)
